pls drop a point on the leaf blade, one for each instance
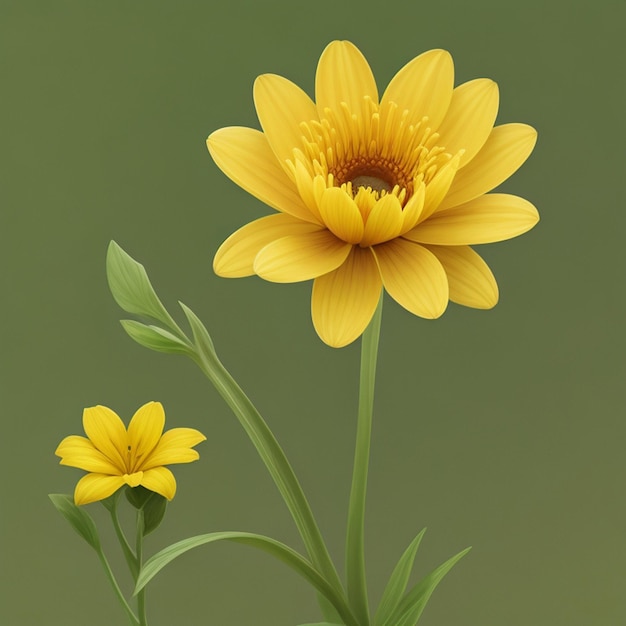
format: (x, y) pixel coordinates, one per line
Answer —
(78, 518)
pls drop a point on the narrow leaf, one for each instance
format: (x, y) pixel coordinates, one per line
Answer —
(201, 335)
(398, 581)
(78, 518)
(411, 607)
(131, 287)
(277, 549)
(155, 338)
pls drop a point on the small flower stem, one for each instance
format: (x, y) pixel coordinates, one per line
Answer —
(118, 592)
(355, 537)
(141, 596)
(129, 555)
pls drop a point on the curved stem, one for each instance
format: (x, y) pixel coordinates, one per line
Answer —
(275, 460)
(129, 555)
(355, 538)
(116, 588)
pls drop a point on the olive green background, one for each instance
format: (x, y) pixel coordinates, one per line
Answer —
(504, 430)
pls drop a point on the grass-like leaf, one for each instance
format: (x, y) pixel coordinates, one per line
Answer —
(410, 608)
(78, 518)
(132, 290)
(155, 338)
(398, 581)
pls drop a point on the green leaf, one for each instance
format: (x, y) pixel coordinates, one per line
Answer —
(322, 624)
(200, 333)
(398, 581)
(277, 549)
(409, 610)
(155, 338)
(138, 496)
(132, 290)
(153, 512)
(78, 518)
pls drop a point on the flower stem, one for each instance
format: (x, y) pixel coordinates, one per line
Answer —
(355, 538)
(141, 596)
(275, 460)
(129, 555)
(118, 592)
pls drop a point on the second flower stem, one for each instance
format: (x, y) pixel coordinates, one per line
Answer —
(355, 538)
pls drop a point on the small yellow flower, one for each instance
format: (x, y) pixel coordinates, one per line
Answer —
(372, 192)
(115, 456)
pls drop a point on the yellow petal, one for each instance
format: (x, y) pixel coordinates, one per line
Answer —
(384, 221)
(175, 447)
(469, 277)
(343, 301)
(107, 433)
(343, 75)
(413, 277)
(507, 147)
(470, 118)
(437, 188)
(494, 217)
(423, 87)
(301, 257)
(160, 480)
(235, 257)
(94, 487)
(79, 452)
(245, 156)
(414, 207)
(134, 479)
(341, 215)
(282, 106)
(144, 432)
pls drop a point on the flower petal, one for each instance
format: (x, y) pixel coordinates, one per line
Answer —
(423, 87)
(160, 480)
(245, 156)
(175, 447)
(144, 432)
(384, 221)
(494, 217)
(470, 118)
(469, 277)
(343, 75)
(235, 257)
(413, 277)
(341, 215)
(414, 207)
(281, 107)
(107, 433)
(437, 188)
(94, 487)
(507, 147)
(79, 452)
(301, 257)
(343, 301)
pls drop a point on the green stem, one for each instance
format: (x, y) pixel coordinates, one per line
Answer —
(355, 538)
(129, 555)
(275, 460)
(141, 596)
(118, 592)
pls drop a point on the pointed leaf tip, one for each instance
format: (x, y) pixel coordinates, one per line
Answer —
(78, 518)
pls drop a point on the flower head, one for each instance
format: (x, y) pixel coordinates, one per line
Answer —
(375, 193)
(115, 456)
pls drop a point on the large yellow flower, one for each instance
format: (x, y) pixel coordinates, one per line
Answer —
(375, 193)
(115, 456)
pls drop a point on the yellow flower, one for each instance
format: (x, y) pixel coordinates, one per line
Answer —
(115, 456)
(375, 193)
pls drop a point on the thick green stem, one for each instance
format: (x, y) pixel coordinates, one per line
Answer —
(141, 596)
(116, 588)
(276, 462)
(355, 539)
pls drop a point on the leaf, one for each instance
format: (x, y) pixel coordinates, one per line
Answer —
(322, 624)
(131, 287)
(277, 549)
(411, 607)
(78, 518)
(155, 338)
(201, 335)
(153, 512)
(398, 581)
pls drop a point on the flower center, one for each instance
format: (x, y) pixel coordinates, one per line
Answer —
(373, 182)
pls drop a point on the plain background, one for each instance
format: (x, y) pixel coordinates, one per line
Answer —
(503, 430)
